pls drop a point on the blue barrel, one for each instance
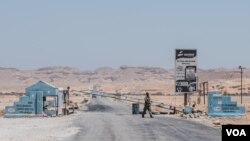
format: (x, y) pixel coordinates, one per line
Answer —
(135, 108)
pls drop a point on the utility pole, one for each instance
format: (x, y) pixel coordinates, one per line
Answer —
(185, 99)
(204, 89)
(241, 73)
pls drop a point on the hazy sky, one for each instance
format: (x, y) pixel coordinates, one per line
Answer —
(93, 33)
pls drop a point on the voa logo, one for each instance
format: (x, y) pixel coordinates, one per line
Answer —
(236, 132)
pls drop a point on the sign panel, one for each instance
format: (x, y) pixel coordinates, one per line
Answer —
(185, 70)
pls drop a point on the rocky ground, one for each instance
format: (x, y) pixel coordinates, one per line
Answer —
(125, 79)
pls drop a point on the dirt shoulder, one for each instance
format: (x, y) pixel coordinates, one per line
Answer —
(38, 129)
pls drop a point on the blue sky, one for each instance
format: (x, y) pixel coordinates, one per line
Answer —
(94, 33)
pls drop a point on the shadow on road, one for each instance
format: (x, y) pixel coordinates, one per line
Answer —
(98, 108)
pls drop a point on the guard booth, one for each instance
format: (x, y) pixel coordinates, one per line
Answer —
(41, 98)
(220, 105)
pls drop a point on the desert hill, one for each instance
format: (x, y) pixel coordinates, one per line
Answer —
(124, 79)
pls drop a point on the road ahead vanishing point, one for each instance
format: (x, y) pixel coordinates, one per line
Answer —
(107, 120)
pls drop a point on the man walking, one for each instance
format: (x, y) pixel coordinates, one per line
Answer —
(147, 105)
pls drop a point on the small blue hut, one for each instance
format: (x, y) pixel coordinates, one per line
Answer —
(41, 98)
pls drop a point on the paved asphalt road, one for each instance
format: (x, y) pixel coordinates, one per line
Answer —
(106, 120)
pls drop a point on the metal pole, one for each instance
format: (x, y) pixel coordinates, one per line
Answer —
(241, 85)
(199, 97)
(204, 91)
(185, 99)
(57, 103)
(207, 89)
(241, 81)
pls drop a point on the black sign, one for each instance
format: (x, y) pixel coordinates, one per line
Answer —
(235, 132)
(186, 70)
(185, 53)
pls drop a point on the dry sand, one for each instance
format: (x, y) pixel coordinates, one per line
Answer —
(36, 129)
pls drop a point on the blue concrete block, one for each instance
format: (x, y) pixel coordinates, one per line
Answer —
(24, 98)
(219, 105)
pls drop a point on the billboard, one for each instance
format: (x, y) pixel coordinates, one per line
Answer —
(185, 70)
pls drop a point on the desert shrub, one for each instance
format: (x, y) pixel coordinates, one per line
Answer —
(222, 87)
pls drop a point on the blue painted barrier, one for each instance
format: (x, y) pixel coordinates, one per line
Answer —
(32, 102)
(220, 105)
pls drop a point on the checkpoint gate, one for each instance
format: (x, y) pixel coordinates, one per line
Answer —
(220, 105)
(34, 101)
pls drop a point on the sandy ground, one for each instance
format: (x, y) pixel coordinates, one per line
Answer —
(36, 129)
(6, 100)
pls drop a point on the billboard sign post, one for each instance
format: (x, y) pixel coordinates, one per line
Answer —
(185, 71)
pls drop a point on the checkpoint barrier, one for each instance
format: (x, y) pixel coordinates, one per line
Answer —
(220, 105)
(40, 99)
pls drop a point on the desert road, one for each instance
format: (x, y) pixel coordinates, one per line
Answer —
(107, 120)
